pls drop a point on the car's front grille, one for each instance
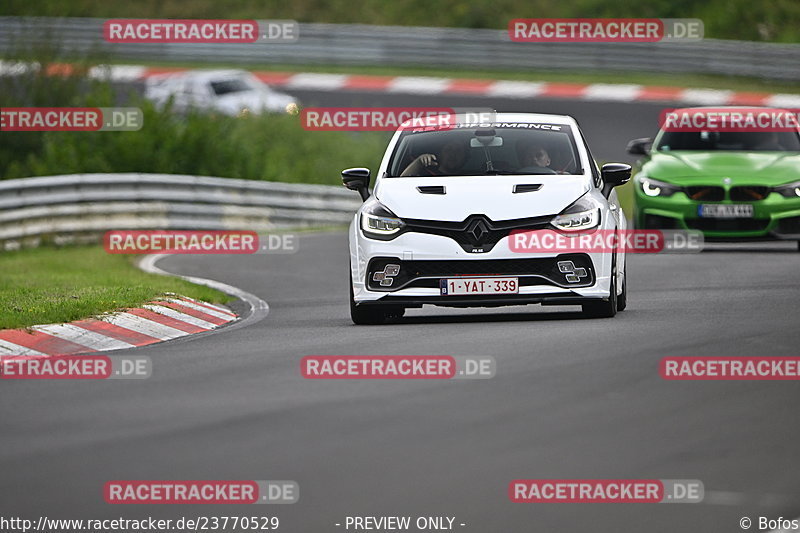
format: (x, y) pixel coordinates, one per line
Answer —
(540, 271)
(703, 193)
(789, 225)
(477, 233)
(659, 222)
(728, 224)
(749, 193)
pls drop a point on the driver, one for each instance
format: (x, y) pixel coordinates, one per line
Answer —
(451, 158)
(535, 156)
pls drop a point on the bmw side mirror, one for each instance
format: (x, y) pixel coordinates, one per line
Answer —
(357, 179)
(640, 146)
(614, 174)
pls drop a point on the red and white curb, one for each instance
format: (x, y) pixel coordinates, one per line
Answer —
(154, 322)
(428, 85)
(485, 88)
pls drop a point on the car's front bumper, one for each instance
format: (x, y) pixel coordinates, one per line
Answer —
(424, 260)
(775, 217)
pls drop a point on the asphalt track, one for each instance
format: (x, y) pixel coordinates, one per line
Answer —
(573, 398)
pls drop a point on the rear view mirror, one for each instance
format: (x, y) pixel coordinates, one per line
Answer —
(357, 179)
(640, 146)
(478, 142)
(614, 174)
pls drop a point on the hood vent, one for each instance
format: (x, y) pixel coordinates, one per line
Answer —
(432, 189)
(527, 187)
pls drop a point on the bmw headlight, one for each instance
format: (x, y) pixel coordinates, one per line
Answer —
(583, 215)
(377, 222)
(790, 190)
(651, 187)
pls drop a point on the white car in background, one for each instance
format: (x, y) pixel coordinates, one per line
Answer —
(436, 228)
(229, 92)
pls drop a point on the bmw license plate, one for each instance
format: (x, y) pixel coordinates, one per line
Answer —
(726, 211)
(467, 286)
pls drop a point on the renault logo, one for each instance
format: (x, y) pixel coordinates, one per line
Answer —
(477, 231)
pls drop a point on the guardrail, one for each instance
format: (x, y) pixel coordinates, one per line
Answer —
(81, 207)
(353, 44)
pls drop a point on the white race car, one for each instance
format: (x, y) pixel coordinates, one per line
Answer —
(436, 228)
(229, 92)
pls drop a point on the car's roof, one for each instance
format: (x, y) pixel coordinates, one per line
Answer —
(524, 118)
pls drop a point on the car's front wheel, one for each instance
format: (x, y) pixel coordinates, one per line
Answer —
(605, 308)
(371, 315)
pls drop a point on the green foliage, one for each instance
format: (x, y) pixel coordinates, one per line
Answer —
(770, 20)
(267, 147)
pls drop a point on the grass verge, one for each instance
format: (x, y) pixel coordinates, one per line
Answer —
(52, 285)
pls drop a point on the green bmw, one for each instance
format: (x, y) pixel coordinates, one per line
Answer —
(730, 185)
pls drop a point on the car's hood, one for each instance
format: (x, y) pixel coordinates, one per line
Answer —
(255, 101)
(492, 196)
(768, 168)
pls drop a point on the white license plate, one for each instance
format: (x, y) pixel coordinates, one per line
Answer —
(726, 211)
(462, 286)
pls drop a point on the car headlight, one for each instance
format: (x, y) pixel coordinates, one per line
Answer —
(581, 216)
(651, 187)
(377, 222)
(790, 190)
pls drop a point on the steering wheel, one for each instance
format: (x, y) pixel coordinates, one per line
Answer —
(537, 170)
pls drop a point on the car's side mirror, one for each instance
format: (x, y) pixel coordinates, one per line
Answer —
(614, 174)
(640, 146)
(357, 179)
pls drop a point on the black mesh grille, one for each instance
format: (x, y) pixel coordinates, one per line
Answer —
(477, 233)
(749, 193)
(789, 225)
(702, 193)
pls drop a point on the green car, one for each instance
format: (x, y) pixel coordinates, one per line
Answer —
(730, 185)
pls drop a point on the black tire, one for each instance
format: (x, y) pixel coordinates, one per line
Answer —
(371, 315)
(605, 308)
(798, 246)
(622, 299)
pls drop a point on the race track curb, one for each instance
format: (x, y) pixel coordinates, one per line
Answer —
(428, 85)
(156, 321)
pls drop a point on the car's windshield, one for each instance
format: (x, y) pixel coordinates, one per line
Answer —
(498, 148)
(230, 85)
(761, 141)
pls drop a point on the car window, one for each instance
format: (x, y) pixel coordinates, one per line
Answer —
(232, 85)
(499, 148)
(761, 141)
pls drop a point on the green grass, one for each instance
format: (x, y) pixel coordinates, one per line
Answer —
(52, 285)
(773, 20)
